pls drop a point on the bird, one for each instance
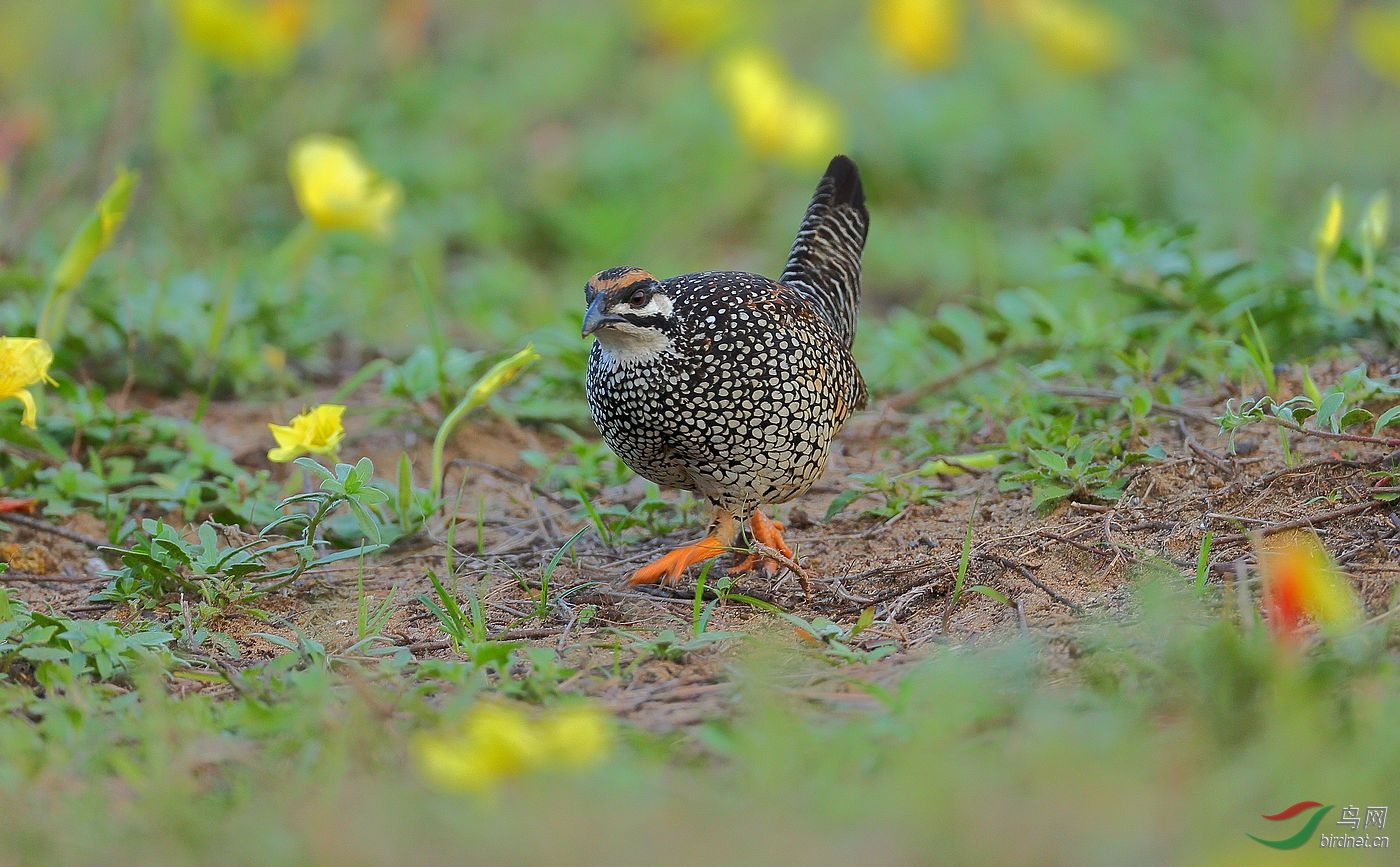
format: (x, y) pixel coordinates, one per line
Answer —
(732, 385)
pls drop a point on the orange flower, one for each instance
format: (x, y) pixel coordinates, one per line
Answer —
(1301, 582)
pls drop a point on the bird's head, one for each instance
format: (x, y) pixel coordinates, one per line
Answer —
(627, 309)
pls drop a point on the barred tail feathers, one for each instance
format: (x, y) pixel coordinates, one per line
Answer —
(824, 266)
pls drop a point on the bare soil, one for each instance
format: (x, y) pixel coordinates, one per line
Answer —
(1073, 562)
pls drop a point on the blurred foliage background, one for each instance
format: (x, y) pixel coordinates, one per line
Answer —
(290, 187)
(540, 141)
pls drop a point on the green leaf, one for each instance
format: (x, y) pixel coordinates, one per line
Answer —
(942, 333)
(1386, 418)
(405, 488)
(372, 496)
(842, 500)
(1046, 494)
(45, 654)
(1050, 460)
(312, 466)
(1140, 402)
(867, 617)
(1354, 416)
(991, 593)
(1330, 404)
(348, 554)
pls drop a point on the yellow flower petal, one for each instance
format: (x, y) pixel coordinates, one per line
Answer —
(336, 190)
(448, 763)
(319, 431)
(576, 736)
(1376, 35)
(24, 362)
(1070, 35)
(923, 35)
(1329, 230)
(498, 741)
(30, 419)
(244, 35)
(689, 26)
(774, 115)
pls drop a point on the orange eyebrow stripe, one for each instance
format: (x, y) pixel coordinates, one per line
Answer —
(627, 278)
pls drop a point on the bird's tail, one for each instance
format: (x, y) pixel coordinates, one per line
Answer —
(824, 265)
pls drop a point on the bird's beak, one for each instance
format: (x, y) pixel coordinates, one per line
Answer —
(595, 318)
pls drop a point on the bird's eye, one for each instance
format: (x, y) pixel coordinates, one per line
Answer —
(639, 301)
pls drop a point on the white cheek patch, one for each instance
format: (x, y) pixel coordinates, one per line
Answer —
(659, 305)
(626, 344)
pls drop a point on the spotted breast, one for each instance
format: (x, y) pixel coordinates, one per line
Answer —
(730, 384)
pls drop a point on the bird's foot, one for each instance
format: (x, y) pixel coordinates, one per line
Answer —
(765, 532)
(668, 567)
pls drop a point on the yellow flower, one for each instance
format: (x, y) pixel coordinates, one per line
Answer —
(496, 742)
(246, 35)
(1376, 36)
(688, 26)
(336, 190)
(317, 432)
(576, 736)
(1070, 35)
(776, 116)
(923, 35)
(1329, 230)
(1301, 580)
(24, 361)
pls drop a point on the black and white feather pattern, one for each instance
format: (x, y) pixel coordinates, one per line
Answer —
(730, 384)
(824, 266)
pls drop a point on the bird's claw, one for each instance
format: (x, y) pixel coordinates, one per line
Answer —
(768, 533)
(667, 568)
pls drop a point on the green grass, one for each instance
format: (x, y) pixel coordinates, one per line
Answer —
(1055, 260)
(1165, 740)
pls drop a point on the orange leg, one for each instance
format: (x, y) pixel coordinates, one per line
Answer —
(767, 532)
(668, 568)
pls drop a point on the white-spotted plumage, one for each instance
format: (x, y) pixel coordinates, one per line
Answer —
(727, 383)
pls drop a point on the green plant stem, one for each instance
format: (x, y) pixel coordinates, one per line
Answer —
(1324, 293)
(1284, 446)
(308, 537)
(292, 256)
(435, 336)
(477, 395)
